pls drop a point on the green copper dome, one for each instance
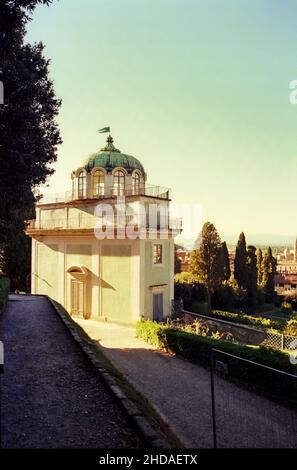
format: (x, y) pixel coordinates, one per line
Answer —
(109, 158)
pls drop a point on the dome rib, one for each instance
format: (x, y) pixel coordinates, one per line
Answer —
(111, 160)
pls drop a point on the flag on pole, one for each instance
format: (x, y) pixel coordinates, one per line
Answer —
(103, 130)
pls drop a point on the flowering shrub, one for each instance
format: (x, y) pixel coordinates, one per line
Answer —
(199, 327)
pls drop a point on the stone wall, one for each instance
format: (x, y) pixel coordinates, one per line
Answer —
(242, 334)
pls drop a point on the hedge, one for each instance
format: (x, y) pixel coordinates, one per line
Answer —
(197, 349)
(245, 319)
(4, 290)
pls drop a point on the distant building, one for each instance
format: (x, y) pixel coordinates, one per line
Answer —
(285, 280)
(285, 283)
(289, 267)
(287, 255)
(287, 261)
(184, 258)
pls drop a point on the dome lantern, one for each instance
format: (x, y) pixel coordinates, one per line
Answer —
(109, 158)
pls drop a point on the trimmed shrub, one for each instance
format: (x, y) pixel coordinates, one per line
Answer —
(188, 344)
(152, 332)
(4, 290)
(197, 349)
(245, 319)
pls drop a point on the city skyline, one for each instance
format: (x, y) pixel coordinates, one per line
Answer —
(207, 115)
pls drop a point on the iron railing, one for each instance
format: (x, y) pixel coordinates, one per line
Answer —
(91, 222)
(106, 193)
(252, 405)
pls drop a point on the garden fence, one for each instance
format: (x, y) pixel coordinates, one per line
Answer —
(253, 406)
(280, 341)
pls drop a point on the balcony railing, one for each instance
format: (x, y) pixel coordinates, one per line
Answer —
(106, 193)
(122, 220)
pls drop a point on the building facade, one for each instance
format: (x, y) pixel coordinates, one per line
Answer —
(285, 283)
(183, 257)
(105, 249)
(285, 280)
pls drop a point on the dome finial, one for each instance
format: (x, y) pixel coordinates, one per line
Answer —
(109, 147)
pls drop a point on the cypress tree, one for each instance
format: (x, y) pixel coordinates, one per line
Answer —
(260, 266)
(252, 277)
(226, 262)
(269, 270)
(240, 262)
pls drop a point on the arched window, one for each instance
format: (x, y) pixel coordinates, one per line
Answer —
(98, 183)
(82, 186)
(119, 183)
(136, 183)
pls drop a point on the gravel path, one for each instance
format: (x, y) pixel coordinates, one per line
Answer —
(51, 395)
(181, 391)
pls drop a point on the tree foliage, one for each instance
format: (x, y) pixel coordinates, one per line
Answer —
(226, 262)
(28, 129)
(252, 272)
(240, 262)
(269, 271)
(260, 266)
(206, 260)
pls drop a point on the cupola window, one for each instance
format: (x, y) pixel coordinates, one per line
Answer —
(119, 183)
(82, 184)
(136, 183)
(98, 183)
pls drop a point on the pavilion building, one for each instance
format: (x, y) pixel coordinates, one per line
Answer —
(105, 249)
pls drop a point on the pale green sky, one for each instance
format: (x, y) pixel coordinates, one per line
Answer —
(198, 90)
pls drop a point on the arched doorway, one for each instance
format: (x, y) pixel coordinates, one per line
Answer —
(77, 290)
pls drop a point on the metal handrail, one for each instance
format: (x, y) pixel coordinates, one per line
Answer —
(89, 222)
(255, 363)
(106, 193)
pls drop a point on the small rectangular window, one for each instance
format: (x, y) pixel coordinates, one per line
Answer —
(157, 254)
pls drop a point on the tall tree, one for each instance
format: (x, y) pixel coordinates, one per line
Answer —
(269, 271)
(206, 260)
(226, 262)
(252, 272)
(28, 129)
(240, 262)
(260, 266)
